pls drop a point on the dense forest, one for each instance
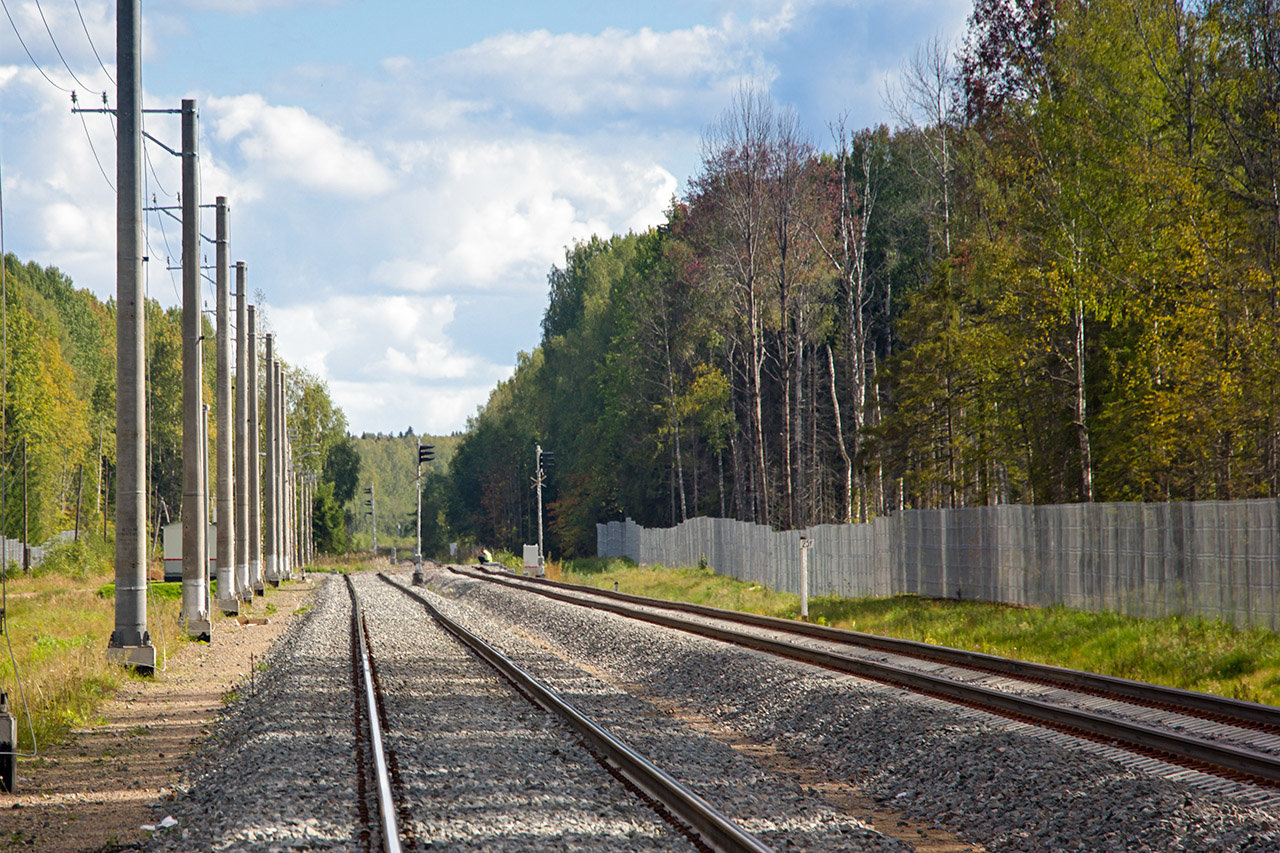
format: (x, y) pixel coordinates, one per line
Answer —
(388, 464)
(1054, 279)
(57, 437)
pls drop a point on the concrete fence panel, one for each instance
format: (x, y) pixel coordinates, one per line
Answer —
(1216, 559)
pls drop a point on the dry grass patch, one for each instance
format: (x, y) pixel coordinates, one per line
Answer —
(57, 629)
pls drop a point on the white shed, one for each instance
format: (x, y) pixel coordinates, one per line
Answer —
(173, 550)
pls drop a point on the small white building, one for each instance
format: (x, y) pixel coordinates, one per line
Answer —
(173, 550)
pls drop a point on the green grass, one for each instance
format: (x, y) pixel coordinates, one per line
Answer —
(1188, 652)
(59, 621)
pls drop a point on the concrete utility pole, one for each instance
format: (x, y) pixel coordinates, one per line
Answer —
(208, 508)
(291, 490)
(282, 479)
(243, 591)
(270, 570)
(308, 530)
(228, 601)
(130, 642)
(195, 557)
(254, 462)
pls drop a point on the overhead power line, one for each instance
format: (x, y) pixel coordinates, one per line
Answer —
(5, 6)
(92, 46)
(58, 50)
(92, 148)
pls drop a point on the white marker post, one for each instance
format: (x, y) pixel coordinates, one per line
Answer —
(805, 544)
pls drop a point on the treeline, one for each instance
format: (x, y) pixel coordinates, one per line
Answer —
(388, 464)
(1053, 280)
(57, 444)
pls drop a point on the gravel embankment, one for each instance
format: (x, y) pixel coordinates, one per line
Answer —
(484, 769)
(277, 774)
(463, 728)
(987, 780)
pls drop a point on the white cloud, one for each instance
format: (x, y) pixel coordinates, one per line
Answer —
(290, 144)
(608, 74)
(475, 214)
(37, 21)
(387, 359)
(373, 336)
(58, 207)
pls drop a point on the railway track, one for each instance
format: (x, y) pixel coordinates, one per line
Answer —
(1224, 737)
(385, 793)
(368, 718)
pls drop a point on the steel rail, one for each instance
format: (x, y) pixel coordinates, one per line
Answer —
(1259, 767)
(1218, 708)
(711, 827)
(386, 803)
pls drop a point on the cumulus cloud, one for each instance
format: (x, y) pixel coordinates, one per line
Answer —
(387, 359)
(611, 75)
(290, 144)
(615, 70)
(59, 206)
(503, 209)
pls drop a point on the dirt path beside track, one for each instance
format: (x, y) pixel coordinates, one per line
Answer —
(95, 791)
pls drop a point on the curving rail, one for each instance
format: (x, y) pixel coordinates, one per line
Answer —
(1190, 702)
(1181, 748)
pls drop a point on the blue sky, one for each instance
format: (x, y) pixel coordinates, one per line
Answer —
(402, 175)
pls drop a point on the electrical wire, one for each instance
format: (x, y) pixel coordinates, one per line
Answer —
(89, 137)
(92, 45)
(57, 49)
(168, 255)
(146, 151)
(5, 6)
(200, 214)
(146, 294)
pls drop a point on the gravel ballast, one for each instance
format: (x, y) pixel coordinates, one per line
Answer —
(277, 772)
(482, 769)
(993, 782)
(775, 809)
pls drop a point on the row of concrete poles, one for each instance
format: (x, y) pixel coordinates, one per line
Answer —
(259, 522)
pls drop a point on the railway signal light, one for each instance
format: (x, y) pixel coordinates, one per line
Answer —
(426, 452)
